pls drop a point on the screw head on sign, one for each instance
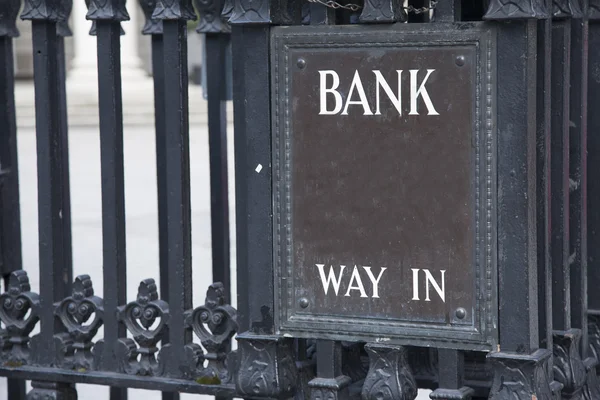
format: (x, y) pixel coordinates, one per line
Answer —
(461, 313)
(301, 63)
(303, 302)
(460, 61)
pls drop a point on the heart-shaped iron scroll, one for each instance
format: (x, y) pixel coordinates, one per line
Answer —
(74, 312)
(214, 323)
(139, 316)
(15, 304)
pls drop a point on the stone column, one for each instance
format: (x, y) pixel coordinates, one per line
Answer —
(131, 63)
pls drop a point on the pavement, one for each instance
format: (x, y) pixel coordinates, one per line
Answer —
(141, 206)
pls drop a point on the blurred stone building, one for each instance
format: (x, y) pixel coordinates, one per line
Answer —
(80, 51)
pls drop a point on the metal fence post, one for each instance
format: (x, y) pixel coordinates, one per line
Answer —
(63, 31)
(153, 28)
(107, 16)
(517, 122)
(252, 122)
(566, 340)
(213, 24)
(10, 214)
(253, 174)
(51, 187)
(10, 224)
(217, 34)
(593, 187)
(174, 15)
(578, 216)
(451, 372)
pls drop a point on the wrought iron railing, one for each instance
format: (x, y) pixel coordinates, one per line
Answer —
(541, 80)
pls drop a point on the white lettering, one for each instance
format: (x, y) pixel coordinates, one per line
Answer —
(440, 290)
(375, 281)
(359, 285)
(429, 281)
(422, 91)
(332, 90)
(415, 272)
(331, 278)
(381, 82)
(358, 86)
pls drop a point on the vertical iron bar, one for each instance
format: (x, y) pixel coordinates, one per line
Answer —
(161, 175)
(447, 11)
(216, 46)
(578, 178)
(320, 15)
(593, 167)
(593, 216)
(178, 180)
(517, 265)
(561, 291)
(66, 277)
(10, 214)
(254, 227)
(50, 185)
(329, 359)
(10, 225)
(16, 389)
(451, 368)
(113, 190)
(544, 202)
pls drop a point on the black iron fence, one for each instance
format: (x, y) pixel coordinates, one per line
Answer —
(518, 317)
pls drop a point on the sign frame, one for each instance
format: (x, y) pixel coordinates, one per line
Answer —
(289, 319)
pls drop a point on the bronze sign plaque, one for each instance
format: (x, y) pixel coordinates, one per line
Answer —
(384, 185)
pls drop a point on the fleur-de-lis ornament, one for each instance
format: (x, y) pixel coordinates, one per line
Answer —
(517, 9)
(594, 10)
(212, 18)
(174, 10)
(50, 10)
(151, 26)
(113, 10)
(9, 10)
(62, 28)
(93, 28)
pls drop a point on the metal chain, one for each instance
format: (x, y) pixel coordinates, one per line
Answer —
(355, 7)
(335, 5)
(421, 10)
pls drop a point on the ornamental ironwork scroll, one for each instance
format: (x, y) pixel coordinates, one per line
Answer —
(19, 314)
